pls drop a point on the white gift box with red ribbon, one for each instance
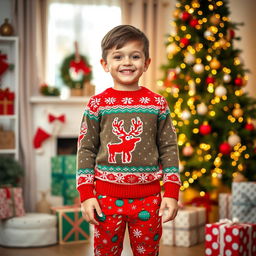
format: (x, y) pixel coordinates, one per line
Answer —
(186, 229)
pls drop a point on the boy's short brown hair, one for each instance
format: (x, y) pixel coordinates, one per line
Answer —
(120, 35)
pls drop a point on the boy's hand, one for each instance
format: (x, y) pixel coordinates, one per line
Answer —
(172, 205)
(88, 207)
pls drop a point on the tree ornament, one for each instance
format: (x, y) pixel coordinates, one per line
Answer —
(185, 16)
(177, 70)
(187, 150)
(215, 64)
(215, 20)
(225, 148)
(226, 78)
(205, 129)
(208, 34)
(210, 80)
(189, 58)
(230, 34)
(171, 75)
(237, 111)
(201, 109)
(172, 48)
(249, 126)
(239, 81)
(233, 139)
(193, 23)
(185, 115)
(223, 43)
(220, 91)
(198, 68)
(176, 14)
(184, 42)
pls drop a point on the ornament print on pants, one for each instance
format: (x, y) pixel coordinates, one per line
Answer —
(128, 140)
(144, 225)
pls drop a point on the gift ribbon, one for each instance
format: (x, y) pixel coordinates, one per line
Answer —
(52, 118)
(248, 204)
(228, 223)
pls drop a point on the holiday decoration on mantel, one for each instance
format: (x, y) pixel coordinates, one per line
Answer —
(47, 90)
(6, 28)
(204, 85)
(75, 70)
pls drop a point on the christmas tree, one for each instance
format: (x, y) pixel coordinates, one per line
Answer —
(204, 85)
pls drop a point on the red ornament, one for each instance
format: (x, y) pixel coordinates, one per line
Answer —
(193, 22)
(231, 33)
(249, 127)
(239, 81)
(205, 129)
(225, 148)
(185, 16)
(210, 80)
(184, 42)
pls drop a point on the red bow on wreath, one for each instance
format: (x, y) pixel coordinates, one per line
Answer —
(80, 65)
(3, 64)
(52, 118)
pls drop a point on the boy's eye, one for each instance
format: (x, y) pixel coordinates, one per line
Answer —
(135, 57)
(117, 57)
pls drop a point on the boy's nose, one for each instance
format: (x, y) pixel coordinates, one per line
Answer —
(127, 61)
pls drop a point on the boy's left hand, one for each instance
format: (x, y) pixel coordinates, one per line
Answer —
(171, 205)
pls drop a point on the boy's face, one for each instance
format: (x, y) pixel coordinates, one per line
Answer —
(126, 65)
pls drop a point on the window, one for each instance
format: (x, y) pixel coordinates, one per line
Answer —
(84, 22)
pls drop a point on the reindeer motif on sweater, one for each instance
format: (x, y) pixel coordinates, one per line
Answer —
(128, 140)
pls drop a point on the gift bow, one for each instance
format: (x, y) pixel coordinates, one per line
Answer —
(52, 118)
(228, 223)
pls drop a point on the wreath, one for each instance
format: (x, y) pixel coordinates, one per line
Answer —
(75, 70)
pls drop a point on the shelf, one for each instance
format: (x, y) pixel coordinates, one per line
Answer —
(8, 151)
(8, 116)
(58, 100)
(8, 38)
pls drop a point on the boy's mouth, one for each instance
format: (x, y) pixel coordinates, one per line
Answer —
(127, 71)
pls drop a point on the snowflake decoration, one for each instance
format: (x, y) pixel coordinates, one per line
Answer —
(96, 233)
(134, 207)
(140, 249)
(89, 178)
(159, 100)
(120, 177)
(95, 102)
(131, 179)
(104, 241)
(144, 100)
(104, 175)
(110, 100)
(137, 233)
(120, 210)
(127, 100)
(143, 177)
(97, 252)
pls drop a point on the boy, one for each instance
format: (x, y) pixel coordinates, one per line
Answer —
(126, 133)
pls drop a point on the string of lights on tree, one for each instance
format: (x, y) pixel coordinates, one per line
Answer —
(204, 85)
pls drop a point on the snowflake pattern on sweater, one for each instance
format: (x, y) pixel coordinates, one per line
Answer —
(124, 139)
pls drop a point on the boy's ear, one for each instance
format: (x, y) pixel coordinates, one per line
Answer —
(147, 62)
(104, 65)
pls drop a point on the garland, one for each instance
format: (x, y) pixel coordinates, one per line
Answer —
(75, 71)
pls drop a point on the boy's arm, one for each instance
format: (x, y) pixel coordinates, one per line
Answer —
(88, 145)
(168, 153)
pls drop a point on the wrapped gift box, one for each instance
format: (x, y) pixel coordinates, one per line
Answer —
(244, 201)
(227, 238)
(11, 203)
(6, 102)
(225, 206)
(72, 228)
(187, 229)
(6, 139)
(64, 178)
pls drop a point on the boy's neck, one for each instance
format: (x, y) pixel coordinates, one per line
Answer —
(126, 87)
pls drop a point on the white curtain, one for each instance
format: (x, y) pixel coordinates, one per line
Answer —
(151, 16)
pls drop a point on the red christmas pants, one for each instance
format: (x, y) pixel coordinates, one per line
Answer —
(144, 225)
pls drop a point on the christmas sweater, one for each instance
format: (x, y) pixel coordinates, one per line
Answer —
(127, 144)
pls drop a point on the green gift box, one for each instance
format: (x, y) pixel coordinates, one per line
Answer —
(72, 228)
(64, 177)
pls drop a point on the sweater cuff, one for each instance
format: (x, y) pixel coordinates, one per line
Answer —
(171, 190)
(86, 192)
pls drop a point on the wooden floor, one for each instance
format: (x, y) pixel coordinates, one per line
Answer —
(86, 249)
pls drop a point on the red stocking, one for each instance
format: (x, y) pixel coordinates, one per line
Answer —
(39, 138)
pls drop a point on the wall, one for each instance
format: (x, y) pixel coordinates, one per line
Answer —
(5, 10)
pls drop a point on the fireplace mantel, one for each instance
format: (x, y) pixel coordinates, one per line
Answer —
(42, 106)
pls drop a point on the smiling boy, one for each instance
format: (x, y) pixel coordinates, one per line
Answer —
(126, 136)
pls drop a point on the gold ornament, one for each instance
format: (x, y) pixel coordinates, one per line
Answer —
(6, 28)
(215, 20)
(176, 14)
(215, 64)
(237, 111)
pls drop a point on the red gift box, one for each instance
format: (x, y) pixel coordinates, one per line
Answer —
(227, 238)
(6, 102)
(11, 203)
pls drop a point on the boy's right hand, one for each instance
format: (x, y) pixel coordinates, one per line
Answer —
(88, 207)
